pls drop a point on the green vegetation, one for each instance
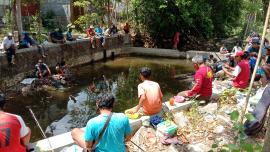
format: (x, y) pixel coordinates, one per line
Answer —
(204, 19)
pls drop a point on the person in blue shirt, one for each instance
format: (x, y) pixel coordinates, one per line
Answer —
(266, 65)
(26, 41)
(117, 132)
(99, 35)
(255, 46)
(69, 35)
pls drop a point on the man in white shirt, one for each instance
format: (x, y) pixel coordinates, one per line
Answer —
(9, 47)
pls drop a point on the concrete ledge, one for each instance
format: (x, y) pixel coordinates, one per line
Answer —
(178, 106)
(190, 54)
(58, 142)
(55, 143)
(155, 52)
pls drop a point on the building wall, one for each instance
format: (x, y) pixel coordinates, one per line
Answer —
(2, 11)
(3, 4)
(60, 7)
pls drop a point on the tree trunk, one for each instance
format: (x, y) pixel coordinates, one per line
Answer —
(19, 16)
(265, 6)
(109, 15)
(127, 1)
(266, 146)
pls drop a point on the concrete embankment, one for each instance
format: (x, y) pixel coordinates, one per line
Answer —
(77, 53)
(74, 53)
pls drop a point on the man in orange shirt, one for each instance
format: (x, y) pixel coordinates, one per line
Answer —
(149, 93)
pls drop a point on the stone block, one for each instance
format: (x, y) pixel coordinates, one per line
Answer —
(178, 106)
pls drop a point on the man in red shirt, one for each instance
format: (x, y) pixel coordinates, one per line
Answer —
(91, 35)
(14, 135)
(241, 73)
(203, 80)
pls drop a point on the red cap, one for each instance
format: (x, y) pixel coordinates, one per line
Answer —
(239, 53)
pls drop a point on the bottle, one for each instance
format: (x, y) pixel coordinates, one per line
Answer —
(171, 101)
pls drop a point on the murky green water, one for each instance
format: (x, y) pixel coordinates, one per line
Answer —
(52, 105)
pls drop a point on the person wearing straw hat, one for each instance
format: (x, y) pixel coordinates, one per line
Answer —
(14, 134)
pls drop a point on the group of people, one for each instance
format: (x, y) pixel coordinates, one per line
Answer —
(43, 72)
(111, 130)
(250, 55)
(97, 34)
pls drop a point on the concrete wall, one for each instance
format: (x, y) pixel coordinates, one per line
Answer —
(74, 53)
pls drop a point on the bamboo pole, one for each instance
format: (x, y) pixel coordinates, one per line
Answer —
(257, 64)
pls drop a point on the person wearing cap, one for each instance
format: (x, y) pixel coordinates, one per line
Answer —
(10, 48)
(14, 134)
(90, 32)
(255, 46)
(241, 73)
(203, 80)
(149, 94)
(42, 70)
(223, 49)
(116, 132)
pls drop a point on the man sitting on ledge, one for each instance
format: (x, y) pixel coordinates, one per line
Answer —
(115, 125)
(203, 80)
(149, 93)
(57, 36)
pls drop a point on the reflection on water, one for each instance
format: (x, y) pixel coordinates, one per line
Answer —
(119, 76)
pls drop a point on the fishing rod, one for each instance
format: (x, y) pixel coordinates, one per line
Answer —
(218, 56)
(137, 146)
(41, 130)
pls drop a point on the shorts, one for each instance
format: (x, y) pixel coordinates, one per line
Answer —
(260, 71)
(141, 112)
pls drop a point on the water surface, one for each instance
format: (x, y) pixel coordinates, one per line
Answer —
(51, 105)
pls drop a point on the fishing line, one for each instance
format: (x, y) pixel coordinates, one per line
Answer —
(137, 145)
(42, 132)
